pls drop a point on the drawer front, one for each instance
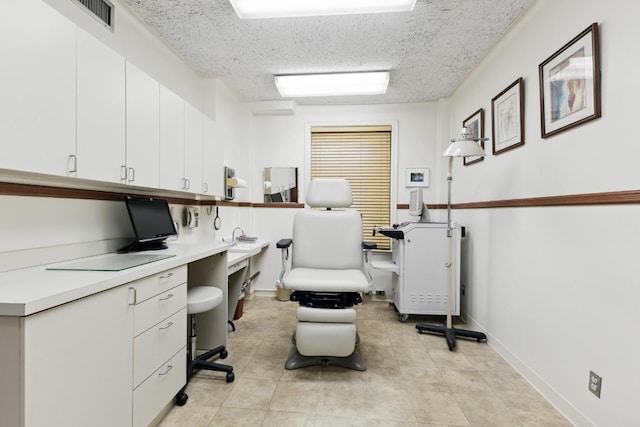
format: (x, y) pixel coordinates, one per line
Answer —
(153, 310)
(159, 389)
(237, 266)
(156, 284)
(157, 344)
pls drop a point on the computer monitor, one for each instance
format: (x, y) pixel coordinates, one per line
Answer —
(152, 223)
(417, 206)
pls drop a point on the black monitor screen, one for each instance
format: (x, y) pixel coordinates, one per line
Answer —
(151, 221)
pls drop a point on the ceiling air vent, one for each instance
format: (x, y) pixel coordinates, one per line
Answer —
(101, 10)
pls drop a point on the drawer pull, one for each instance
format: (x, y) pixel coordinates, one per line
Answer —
(167, 297)
(169, 367)
(167, 276)
(170, 324)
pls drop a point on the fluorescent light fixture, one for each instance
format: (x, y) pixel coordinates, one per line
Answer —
(253, 9)
(335, 84)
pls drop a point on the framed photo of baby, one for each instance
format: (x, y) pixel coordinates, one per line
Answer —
(570, 84)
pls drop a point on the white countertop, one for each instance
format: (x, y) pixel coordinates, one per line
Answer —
(30, 290)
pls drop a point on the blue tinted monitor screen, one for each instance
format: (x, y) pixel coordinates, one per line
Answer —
(152, 223)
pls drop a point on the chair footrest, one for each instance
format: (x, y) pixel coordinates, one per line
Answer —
(326, 299)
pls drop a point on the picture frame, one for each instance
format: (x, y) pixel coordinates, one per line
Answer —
(570, 84)
(507, 118)
(475, 126)
(417, 177)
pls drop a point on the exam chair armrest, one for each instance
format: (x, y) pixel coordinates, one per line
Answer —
(284, 243)
(369, 245)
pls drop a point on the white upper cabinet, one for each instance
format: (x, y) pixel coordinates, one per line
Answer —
(193, 131)
(212, 160)
(143, 128)
(171, 140)
(100, 111)
(37, 88)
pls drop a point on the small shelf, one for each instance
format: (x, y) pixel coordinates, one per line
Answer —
(386, 266)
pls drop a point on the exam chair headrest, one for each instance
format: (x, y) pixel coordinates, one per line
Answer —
(329, 193)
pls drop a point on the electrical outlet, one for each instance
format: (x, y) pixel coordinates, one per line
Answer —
(595, 383)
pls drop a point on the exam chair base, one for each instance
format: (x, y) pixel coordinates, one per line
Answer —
(451, 333)
(353, 361)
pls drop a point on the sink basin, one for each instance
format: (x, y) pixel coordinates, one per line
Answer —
(244, 247)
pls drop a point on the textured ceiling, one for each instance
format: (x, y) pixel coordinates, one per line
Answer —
(428, 51)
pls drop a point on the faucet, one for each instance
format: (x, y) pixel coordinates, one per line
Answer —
(234, 241)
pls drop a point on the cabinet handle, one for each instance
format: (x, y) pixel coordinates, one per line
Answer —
(167, 276)
(132, 296)
(184, 183)
(167, 297)
(188, 186)
(132, 174)
(73, 160)
(123, 173)
(205, 187)
(170, 324)
(169, 367)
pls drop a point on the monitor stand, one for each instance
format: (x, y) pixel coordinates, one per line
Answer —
(136, 246)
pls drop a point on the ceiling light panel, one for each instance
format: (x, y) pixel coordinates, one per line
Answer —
(337, 84)
(254, 9)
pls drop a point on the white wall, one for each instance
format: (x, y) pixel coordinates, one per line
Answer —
(556, 288)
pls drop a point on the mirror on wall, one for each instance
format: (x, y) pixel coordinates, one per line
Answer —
(281, 185)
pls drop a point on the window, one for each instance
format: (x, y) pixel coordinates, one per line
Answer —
(362, 156)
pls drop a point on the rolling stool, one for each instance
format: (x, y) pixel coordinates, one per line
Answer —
(199, 300)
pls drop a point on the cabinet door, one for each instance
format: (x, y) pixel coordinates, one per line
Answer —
(193, 148)
(143, 128)
(37, 88)
(78, 364)
(171, 140)
(101, 111)
(213, 159)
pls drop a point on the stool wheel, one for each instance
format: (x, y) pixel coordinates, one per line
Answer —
(230, 377)
(223, 355)
(182, 398)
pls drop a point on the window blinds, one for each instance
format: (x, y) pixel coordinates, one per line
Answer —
(362, 156)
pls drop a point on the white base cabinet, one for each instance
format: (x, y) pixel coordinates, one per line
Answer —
(77, 363)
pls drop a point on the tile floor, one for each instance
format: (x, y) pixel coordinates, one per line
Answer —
(411, 380)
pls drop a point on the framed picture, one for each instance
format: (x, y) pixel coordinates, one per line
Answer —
(475, 125)
(570, 84)
(507, 115)
(417, 177)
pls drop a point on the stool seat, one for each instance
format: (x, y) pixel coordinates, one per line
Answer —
(203, 298)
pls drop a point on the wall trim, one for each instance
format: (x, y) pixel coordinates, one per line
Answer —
(33, 190)
(604, 198)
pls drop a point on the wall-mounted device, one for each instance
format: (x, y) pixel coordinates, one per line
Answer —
(190, 217)
(229, 191)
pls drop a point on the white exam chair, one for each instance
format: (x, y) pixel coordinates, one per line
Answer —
(328, 276)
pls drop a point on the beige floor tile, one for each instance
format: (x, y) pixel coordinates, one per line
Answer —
(251, 394)
(288, 419)
(189, 415)
(296, 396)
(344, 398)
(388, 401)
(339, 421)
(413, 356)
(438, 407)
(208, 392)
(237, 417)
(420, 379)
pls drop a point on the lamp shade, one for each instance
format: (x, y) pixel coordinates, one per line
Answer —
(463, 148)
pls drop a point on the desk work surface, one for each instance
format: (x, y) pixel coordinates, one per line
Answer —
(30, 290)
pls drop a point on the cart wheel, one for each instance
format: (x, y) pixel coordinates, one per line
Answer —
(181, 399)
(230, 377)
(404, 317)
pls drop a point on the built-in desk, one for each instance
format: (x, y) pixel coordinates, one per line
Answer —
(74, 343)
(238, 260)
